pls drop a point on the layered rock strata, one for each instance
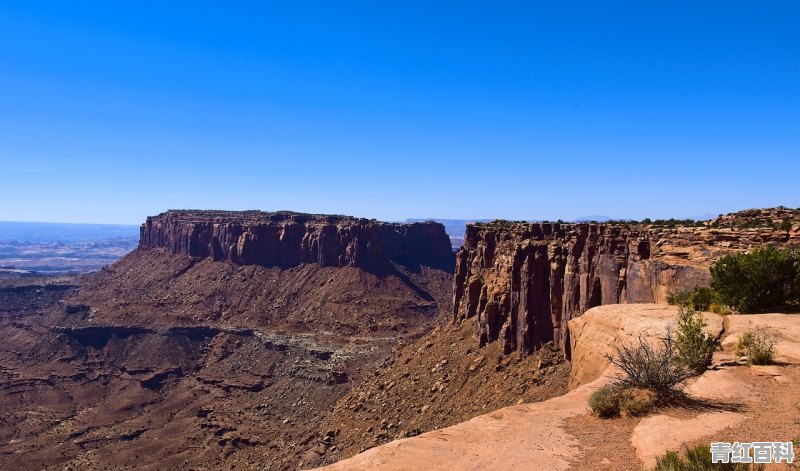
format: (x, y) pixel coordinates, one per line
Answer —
(287, 239)
(521, 283)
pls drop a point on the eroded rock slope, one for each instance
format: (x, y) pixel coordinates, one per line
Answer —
(222, 342)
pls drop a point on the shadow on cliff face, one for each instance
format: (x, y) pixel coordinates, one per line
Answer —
(385, 270)
(401, 267)
(446, 264)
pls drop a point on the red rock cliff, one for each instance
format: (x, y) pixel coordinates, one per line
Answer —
(521, 283)
(287, 239)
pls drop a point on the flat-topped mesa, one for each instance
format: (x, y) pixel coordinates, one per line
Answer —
(287, 239)
(523, 282)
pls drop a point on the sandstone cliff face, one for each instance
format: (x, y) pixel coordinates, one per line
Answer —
(521, 283)
(286, 239)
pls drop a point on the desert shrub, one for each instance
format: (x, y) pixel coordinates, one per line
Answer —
(656, 368)
(678, 298)
(758, 345)
(698, 458)
(765, 279)
(718, 308)
(695, 346)
(671, 461)
(614, 400)
(605, 402)
(637, 402)
(699, 298)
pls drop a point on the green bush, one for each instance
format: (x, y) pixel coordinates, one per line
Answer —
(758, 345)
(699, 298)
(719, 308)
(605, 402)
(764, 279)
(698, 458)
(695, 346)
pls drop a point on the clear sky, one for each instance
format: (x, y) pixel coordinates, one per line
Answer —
(111, 111)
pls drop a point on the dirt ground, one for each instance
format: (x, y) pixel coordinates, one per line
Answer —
(165, 362)
(771, 410)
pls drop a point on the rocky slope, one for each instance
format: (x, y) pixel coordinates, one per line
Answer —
(521, 283)
(177, 357)
(730, 402)
(437, 381)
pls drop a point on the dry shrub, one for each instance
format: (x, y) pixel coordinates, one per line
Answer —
(656, 368)
(615, 400)
(758, 344)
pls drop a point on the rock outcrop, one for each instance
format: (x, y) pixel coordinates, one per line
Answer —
(521, 283)
(558, 434)
(287, 239)
(599, 332)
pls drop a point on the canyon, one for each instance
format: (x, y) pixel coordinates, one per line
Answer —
(278, 341)
(222, 341)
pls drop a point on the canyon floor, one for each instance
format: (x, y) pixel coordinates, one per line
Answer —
(283, 341)
(245, 367)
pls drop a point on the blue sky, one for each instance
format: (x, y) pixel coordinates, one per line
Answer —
(111, 111)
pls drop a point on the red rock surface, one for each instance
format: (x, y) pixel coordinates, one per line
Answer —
(177, 357)
(521, 283)
(287, 239)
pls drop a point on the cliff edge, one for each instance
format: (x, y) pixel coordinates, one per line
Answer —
(521, 283)
(287, 239)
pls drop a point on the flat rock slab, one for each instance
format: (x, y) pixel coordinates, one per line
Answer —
(770, 371)
(787, 325)
(656, 435)
(528, 436)
(601, 330)
(719, 384)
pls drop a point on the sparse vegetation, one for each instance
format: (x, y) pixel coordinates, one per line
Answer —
(615, 400)
(699, 298)
(698, 458)
(758, 345)
(695, 346)
(656, 368)
(764, 279)
(652, 374)
(671, 223)
(605, 402)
